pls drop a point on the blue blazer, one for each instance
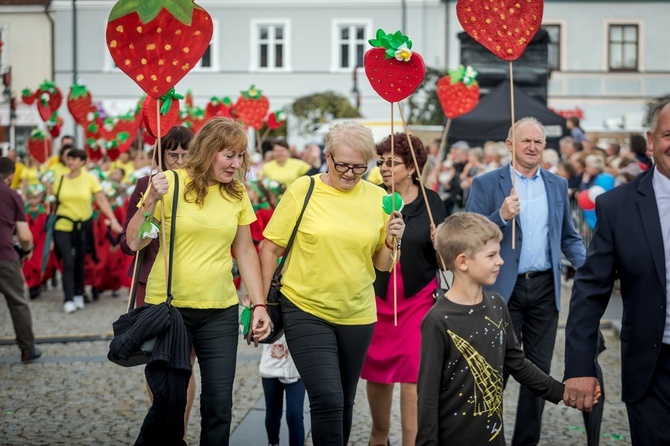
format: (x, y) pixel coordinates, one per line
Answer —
(487, 194)
(627, 244)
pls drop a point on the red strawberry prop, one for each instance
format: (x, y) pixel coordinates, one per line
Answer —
(27, 96)
(157, 42)
(80, 104)
(169, 112)
(218, 107)
(276, 119)
(459, 92)
(504, 27)
(393, 70)
(39, 145)
(252, 107)
(54, 125)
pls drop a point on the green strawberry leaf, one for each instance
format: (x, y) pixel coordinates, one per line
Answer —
(380, 34)
(390, 53)
(27, 92)
(147, 10)
(392, 203)
(375, 42)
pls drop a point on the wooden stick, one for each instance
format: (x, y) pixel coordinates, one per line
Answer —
(418, 172)
(443, 142)
(260, 144)
(133, 280)
(160, 166)
(394, 255)
(511, 92)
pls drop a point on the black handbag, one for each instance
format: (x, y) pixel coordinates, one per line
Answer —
(141, 354)
(273, 300)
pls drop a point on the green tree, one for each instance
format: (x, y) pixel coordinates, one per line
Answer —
(320, 108)
(425, 108)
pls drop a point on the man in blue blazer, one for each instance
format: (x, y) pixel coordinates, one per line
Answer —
(530, 279)
(631, 242)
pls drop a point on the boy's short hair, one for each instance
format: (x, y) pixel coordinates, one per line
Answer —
(464, 233)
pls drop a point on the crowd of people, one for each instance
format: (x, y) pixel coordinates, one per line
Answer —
(360, 290)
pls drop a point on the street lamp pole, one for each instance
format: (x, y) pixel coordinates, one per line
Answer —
(355, 92)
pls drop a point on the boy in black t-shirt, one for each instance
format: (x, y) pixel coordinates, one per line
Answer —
(466, 341)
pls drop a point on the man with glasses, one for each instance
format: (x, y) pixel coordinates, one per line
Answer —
(530, 279)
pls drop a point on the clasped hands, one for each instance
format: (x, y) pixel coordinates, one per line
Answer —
(582, 393)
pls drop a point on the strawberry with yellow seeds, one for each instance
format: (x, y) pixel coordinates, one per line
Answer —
(39, 145)
(393, 69)
(168, 113)
(459, 92)
(80, 104)
(504, 27)
(251, 107)
(157, 42)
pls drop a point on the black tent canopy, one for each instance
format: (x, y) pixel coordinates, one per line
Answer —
(491, 119)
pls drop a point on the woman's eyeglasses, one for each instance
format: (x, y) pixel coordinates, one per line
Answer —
(390, 163)
(176, 156)
(357, 169)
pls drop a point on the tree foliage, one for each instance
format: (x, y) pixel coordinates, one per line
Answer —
(320, 108)
(425, 108)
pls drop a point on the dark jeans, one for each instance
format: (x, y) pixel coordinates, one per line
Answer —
(12, 287)
(72, 251)
(273, 389)
(329, 358)
(535, 320)
(214, 335)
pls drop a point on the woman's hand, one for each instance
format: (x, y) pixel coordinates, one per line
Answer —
(115, 227)
(395, 227)
(261, 325)
(159, 185)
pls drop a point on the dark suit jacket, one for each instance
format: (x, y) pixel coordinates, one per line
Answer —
(627, 243)
(487, 194)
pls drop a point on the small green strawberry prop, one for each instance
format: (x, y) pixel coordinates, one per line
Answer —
(392, 203)
(394, 71)
(459, 92)
(251, 107)
(39, 145)
(169, 113)
(156, 42)
(504, 27)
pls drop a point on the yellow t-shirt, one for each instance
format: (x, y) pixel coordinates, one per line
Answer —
(128, 169)
(329, 271)
(75, 198)
(59, 170)
(375, 176)
(202, 266)
(31, 175)
(18, 170)
(286, 174)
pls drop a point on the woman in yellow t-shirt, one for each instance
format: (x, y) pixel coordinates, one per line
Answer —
(213, 214)
(283, 169)
(76, 193)
(328, 299)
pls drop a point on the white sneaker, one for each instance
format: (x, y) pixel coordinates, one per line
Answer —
(69, 307)
(79, 302)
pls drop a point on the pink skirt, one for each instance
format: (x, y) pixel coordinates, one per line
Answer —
(393, 356)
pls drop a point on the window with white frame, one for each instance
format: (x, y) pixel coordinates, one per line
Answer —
(350, 41)
(623, 49)
(270, 45)
(209, 60)
(554, 46)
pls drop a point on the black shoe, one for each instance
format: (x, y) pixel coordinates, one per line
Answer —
(95, 293)
(29, 355)
(35, 292)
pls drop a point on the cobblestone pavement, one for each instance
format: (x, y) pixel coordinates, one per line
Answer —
(74, 396)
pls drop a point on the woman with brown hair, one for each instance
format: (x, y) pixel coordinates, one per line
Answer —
(213, 214)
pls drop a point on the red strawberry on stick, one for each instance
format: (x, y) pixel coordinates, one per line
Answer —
(39, 145)
(276, 119)
(54, 124)
(79, 103)
(28, 96)
(459, 92)
(156, 43)
(168, 114)
(251, 107)
(393, 70)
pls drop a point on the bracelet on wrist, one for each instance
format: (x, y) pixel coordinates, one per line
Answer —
(389, 246)
(259, 305)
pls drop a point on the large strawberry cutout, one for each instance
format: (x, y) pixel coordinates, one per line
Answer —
(394, 71)
(39, 145)
(504, 27)
(156, 42)
(459, 92)
(169, 113)
(251, 107)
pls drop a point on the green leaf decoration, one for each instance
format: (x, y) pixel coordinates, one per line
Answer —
(392, 202)
(245, 320)
(147, 10)
(463, 74)
(392, 42)
(166, 100)
(252, 93)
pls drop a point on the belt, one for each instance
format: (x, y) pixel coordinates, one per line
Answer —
(533, 274)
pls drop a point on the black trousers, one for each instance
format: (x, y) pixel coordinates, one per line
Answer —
(329, 358)
(72, 249)
(532, 307)
(649, 416)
